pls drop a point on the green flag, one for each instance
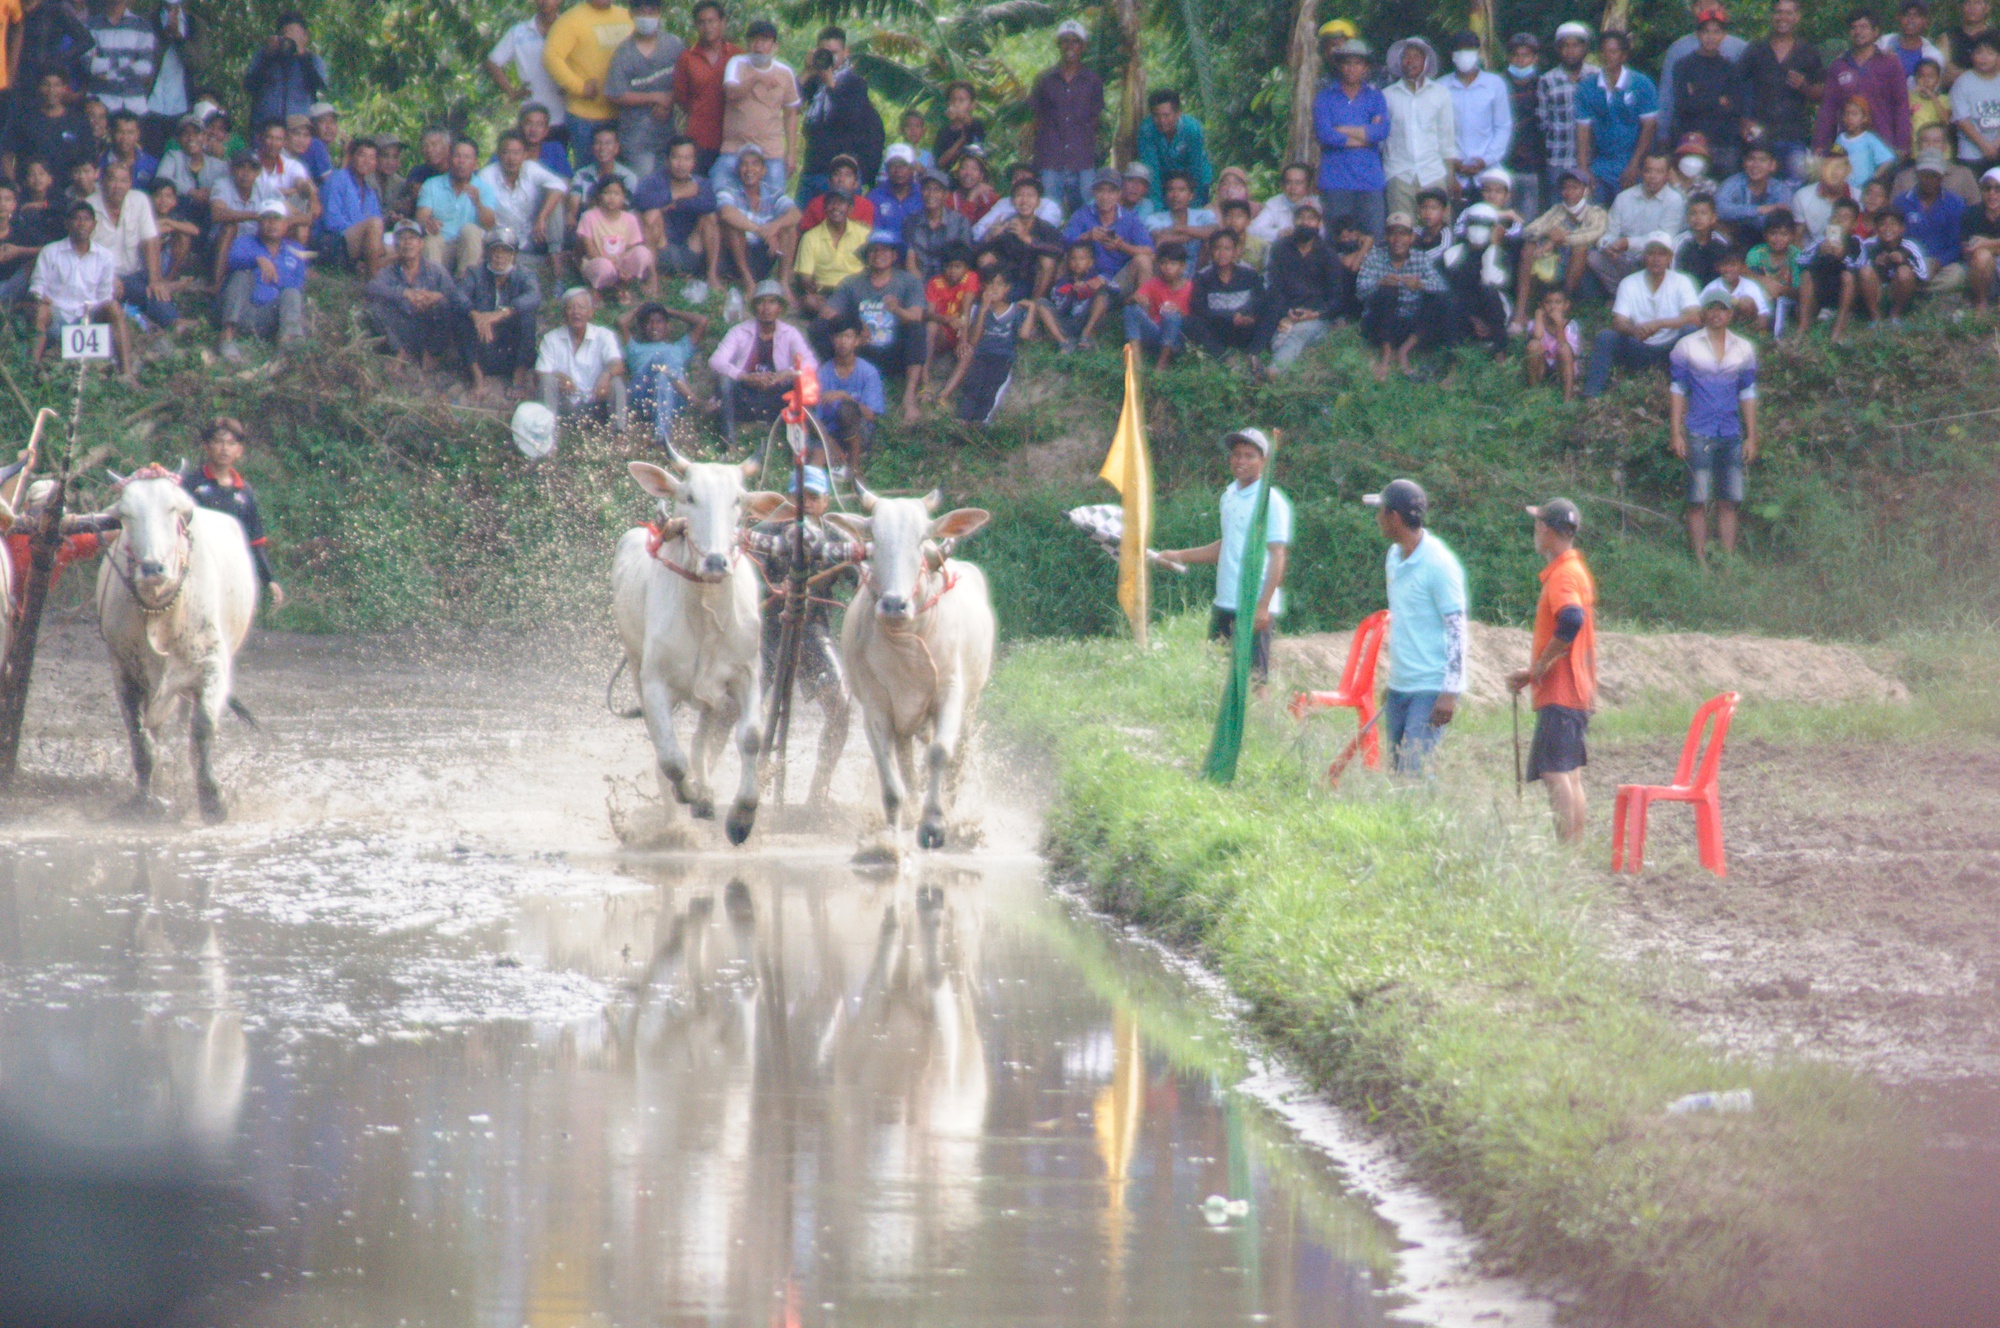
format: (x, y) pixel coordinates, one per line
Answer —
(1227, 743)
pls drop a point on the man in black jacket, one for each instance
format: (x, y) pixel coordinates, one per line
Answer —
(1228, 311)
(1310, 287)
(497, 302)
(839, 118)
(1708, 96)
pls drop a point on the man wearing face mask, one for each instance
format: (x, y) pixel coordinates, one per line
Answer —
(1476, 271)
(1481, 113)
(840, 119)
(1421, 151)
(497, 303)
(640, 83)
(1310, 287)
(1527, 154)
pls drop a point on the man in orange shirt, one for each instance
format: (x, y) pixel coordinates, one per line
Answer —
(1564, 671)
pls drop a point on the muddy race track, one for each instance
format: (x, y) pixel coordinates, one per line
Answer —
(413, 1040)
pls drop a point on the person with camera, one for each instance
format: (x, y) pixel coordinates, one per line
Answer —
(840, 119)
(286, 78)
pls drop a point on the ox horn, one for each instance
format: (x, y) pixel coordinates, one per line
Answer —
(6, 516)
(116, 478)
(868, 498)
(934, 500)
(680, 462)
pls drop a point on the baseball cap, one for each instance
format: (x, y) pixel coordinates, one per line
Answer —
(1931, 161)
(1353, 46)
(900, 152)
(1138, 170)
(319, 108)
(1406, 498)
(889, 238)
(817, 481)
(1580, 31)
(1692, 143)
(1071, 28)
(1559, 515)
(936, 177)
(1661, 239)
(298, 122)
(843, 159)
(1715, 295)
(1338, 27)
(1711, 14)
(1992, 176)
(1402, 219)
(1578, 174)
(1257, 438)
(503, 237)
(403, 228)
(1527, 39)
(271, 207)
(1106, 178)
(767, 290)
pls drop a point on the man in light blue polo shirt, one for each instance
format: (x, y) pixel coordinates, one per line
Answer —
(1427, 608)
(1249, 449)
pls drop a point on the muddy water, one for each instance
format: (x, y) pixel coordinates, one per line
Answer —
(471, 1063)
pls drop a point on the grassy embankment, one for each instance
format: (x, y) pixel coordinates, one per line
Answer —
(1423, 958)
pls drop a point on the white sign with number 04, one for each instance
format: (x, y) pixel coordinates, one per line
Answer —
(86, 341)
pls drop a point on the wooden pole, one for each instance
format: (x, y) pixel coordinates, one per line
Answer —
(1301, 144)
(45, 541)
(1132, 98)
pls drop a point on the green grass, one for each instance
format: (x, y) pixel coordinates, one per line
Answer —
(1422, 957)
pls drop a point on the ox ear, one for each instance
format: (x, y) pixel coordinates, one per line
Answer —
(6, 516)
(653, 479)
(855, 528)
(765, 506)
(960, 523)
(750, 467)
(934, 500)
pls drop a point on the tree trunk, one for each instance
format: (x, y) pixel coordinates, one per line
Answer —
(1132, 101)
(1301, 144)
(1617, 16)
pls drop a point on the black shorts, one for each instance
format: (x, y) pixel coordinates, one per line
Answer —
(1558, 746)
(1222, 627)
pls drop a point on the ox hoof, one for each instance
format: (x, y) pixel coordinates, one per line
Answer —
(930, 834)
(701, 809)
(212, 810)
(145, 807)
(741, 818)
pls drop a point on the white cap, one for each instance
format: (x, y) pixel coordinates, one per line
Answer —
(901, 152)
(1573, 29)
(1992, 175)
(534, 430)
(271, 207)
(1496, 175)
(1255, 437)
(1071, 28)
(1661, 238)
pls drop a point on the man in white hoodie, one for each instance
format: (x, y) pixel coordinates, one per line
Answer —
(1421, 151)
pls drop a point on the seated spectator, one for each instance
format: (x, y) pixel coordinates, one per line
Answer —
(1252, 252)
(125, 147)
(533, 122)
(1156, 316)
(1827, 269)
(829, 253)
(1745, 199)
(580, 363)
(433, 155)
(1169, 141)
(1232, 182)
(1812, 206)
(845, 175)
(1975, 105)
(935, 229)
(678, 209)
(980, 381)
(975, 195)
(913, 129)
(1746, 294)
(850, 395)
(1003, 209)
(75, 281)
(194, 173)
(496, 309)
(1554, 342)
(1180, 221)
(1433, 231)
(299, 180)
(949, 296)
(895, 198)
(1874, 197)
(234, 209)
(1654, 308)
(18, 250)
(178, 237)
(1352, 243)
(1934, 219)
(455, 210)
(962, 129)
(1278, 213)
(760, 225)
(1310, 287)
(299, 143)
(392, 185)
(1025, 243)
(659, 349)
(1866, 152)
(1475, 272)
(1556, 246)
(41, 211)
(265, 294)
(1690, 177)
(1893, 268)
(351, 222)
(1228, 314)
(1979, 240)
(1697, 251)
(1647, 208)
(51, 131)
(1959, 180)
(759, 360)
(1404, 301)
(887, 304)
(615, 254)
(526, 196)
(1135, 191)
(326, 147)
(413, 301)
(1123, 245)
(1496, 190)
(126, 228)
(603, 165)
(1077, 300)
(1774, 266)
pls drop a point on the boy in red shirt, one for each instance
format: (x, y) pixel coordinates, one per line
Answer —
(1564, 671)
(1160, 306)
(950, 296)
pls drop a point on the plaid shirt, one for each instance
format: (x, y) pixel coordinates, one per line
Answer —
(1555, 96)
(1378, 265)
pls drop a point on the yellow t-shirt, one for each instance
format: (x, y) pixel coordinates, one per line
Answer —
(10, 18)
(827, 262)
(578, 51)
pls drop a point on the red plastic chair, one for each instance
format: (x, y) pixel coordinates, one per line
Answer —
(1690, 785)
(1357, 685)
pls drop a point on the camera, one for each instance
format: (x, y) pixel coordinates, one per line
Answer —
(286, 46)
(822, 60)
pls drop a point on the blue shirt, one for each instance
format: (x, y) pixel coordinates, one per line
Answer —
(1187, 151)
(864, 385)
(1614, 116)
(1936, 228)
(347, 203)
(1867, 154)
(891, 212)
(1735, 202)
(1239, 508)
(453, 209)
(1127, 227)
(144, 168)
(1340, 165)
(290, 261)
(1427, 609)
(654, 365)
(318, 160)
(1714, 384)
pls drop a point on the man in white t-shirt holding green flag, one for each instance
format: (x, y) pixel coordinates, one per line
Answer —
(1249, 450)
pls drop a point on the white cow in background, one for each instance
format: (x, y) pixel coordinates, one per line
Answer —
(175, 596)
(918, 644)
(686, 601)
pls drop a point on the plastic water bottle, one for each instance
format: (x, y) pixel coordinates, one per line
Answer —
(732, 308)
(1735, 1100)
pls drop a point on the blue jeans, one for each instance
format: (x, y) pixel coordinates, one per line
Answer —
(1364, 205)
(1406, 717)
(132, 291)
(1614, 347)
(722, 175)
(1163, 333)
(1715, 470)
(1069, 188)
(581, 132)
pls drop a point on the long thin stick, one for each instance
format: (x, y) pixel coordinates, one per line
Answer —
(1520, 788)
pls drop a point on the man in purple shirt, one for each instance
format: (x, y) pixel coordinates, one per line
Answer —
(1350, 119)
(1069, 112)
(1123, 245)
(1864, 71)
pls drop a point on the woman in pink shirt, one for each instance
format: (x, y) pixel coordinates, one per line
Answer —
(614, 248)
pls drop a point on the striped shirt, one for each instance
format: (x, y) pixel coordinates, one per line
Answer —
(124, 62)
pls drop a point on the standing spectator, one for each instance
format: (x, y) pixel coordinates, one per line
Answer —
(1556, 246)
(455, 210)
(1068, 103)
(1554, 342)
(1655, 306)
(840, 119)
(1650, 207)
(1527, 152)
(1156, 317)
(961, 128)
(287, 76)
(760, 225)
(1713, 421)
(124, 58)
(640, 83)
(76, 281)
(1773, 266)
(1867, 154)
(1617, 117)
(1171, 141)
(53, 40)
(760, 96)
(758, 361)
(678, 210)
(1228, 314)
(413, 300)
(1481, 113)
(935, 229)
(515, 66)
(1403, 298)
(886, 305)
(1784, 80)
(615, 253)
(581, 365)
(1701, 248)
(526, 196)
(1555, 101)
(1124, 245)
(1874, 75)
(1310, 288)
(829, 253)
(577, 54)
(1975, 105)
(52, 132)
(1935, 219)
(851, 398)
(1562, 665)
(265, 294)
(127, 230)
(1026, 244)
(1892, 266)
(1687, 44)
(496, 308)
(1708, 94)
(1249, 452)
(1980, 240)
(1295, 186)
(698, 85)
(1422, 148)
(1745, 199)
(1351, 122)
(1428, 609)
(1910, 43)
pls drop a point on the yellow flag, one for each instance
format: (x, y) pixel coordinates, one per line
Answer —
(1128, 468)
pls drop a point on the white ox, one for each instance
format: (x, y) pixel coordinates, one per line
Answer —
(685, 598)
(918, 645)
(175, 596)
